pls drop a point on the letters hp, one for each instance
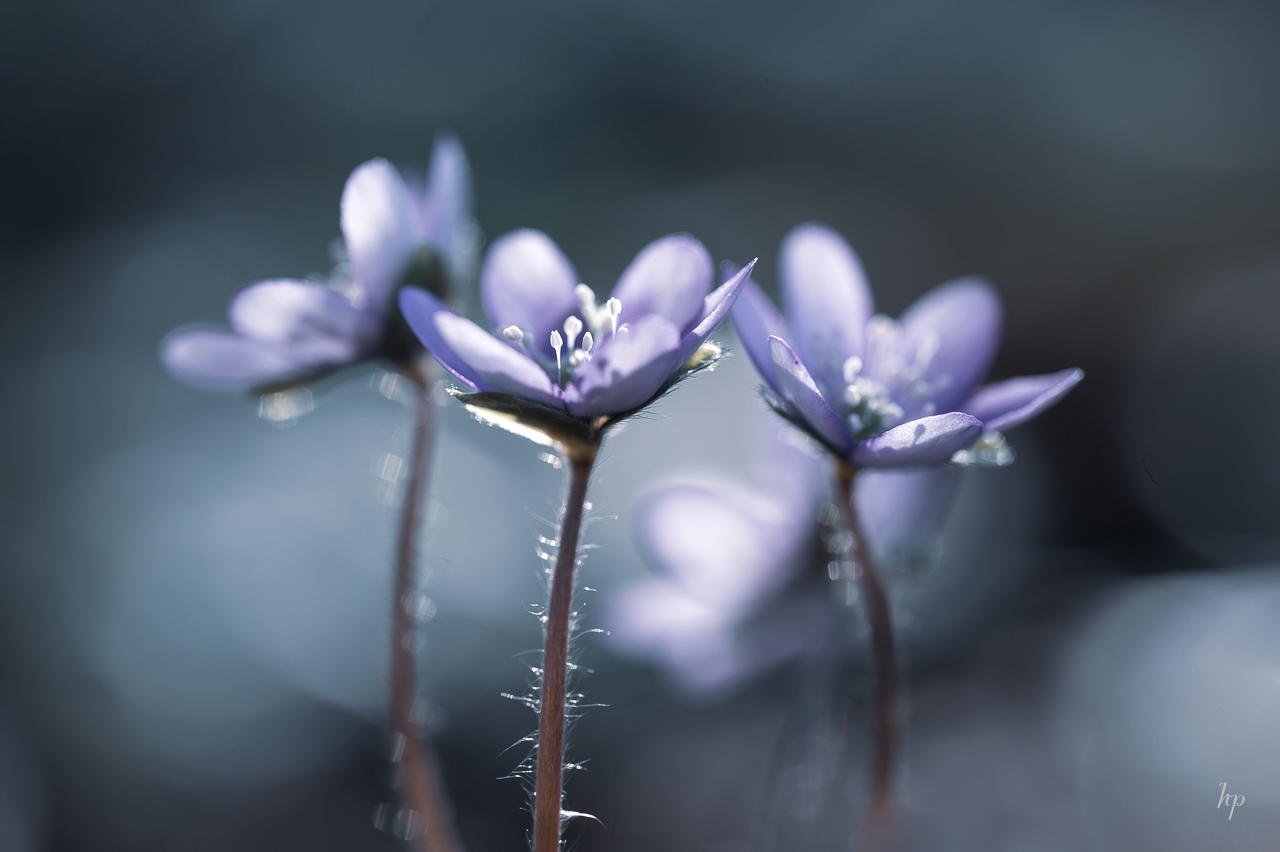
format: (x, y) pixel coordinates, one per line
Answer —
(1235, 800)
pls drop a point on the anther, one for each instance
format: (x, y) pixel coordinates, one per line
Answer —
(556, 343)
(513, 333)
(614, 307)
(587, 343)
(852, 367)
(572, 326)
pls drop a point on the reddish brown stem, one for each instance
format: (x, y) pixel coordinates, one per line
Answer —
(884, 663)
(420, 782)
(549, 777)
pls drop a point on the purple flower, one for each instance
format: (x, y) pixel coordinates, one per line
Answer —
(284, 330)
(731, 598)
(879, 392)
(554, 345)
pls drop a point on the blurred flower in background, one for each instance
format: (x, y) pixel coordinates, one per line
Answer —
(284, 330)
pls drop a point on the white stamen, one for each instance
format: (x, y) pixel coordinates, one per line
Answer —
(556, 343)
(513, 333)
(852, 395)
(852, 367)
(615, 308)
(587, 342)
(572, 326)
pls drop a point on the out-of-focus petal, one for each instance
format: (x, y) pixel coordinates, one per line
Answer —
(716, 306)
(625, 370)
(285, 310)
(799, 391)
(670, 277)
(902, 510)
(501, 366)
(1006, 404)
(218, 359)
(419, 309)
(827, 300)
(755, 319)
(655, 620)
(968, 320)
(713, 545)
(528, 282)
(917, 443)
(445, 206)
(380, 226)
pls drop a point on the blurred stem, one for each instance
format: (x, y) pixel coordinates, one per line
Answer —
(420, 782)
(884, 665)
(549, 777)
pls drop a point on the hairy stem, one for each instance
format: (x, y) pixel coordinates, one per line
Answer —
(549, 777)
(421, 785)
(884, 663)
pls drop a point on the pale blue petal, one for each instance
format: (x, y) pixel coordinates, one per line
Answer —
(626, 369)
(755, 320)
(381, 228)
(1006, 404)
(528, 282)
(918, 443)
(284, 310)
(419, 309)
(445, 206)
(501, 366)
(802, 395)
(670, 277)
(717, 304)
(827, 300)
(218, 359)
(968, 320)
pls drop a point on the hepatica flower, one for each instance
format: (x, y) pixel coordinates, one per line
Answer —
(285, 330)
(879, 392)
(560, 361)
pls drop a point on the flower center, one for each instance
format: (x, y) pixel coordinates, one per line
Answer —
(879, 393)
(600, 319)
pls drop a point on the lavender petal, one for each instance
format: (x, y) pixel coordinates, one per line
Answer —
(625, 370)
(528, 282)
(827, 300)
(967, 319)
(919, 443)
(501, 366)
(380, 226)
(444, 208)
(715, 306)
(218, 359)
(670, 277)
(801, 393)
(755, 320)
(419, 309)
(1006, 404)
(283, 310)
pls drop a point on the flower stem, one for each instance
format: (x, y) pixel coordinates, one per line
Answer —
(549, 776)
(884, 664)
(422, 787)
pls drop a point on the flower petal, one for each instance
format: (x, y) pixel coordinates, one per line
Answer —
(901, 511)
(500, 365)
(719, 545)
(419, 309)
(670, 277)
(917, 443)
(799, 391)
(380, 227)
(285, 310)
(625, 370)
(1006, 404)
(715, 306)
(827, 300)
(755, 320)
(528, 282)
(218, 359)
(445, 205)
(968, 320)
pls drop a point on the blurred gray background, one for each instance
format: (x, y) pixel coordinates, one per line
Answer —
(193, 601)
